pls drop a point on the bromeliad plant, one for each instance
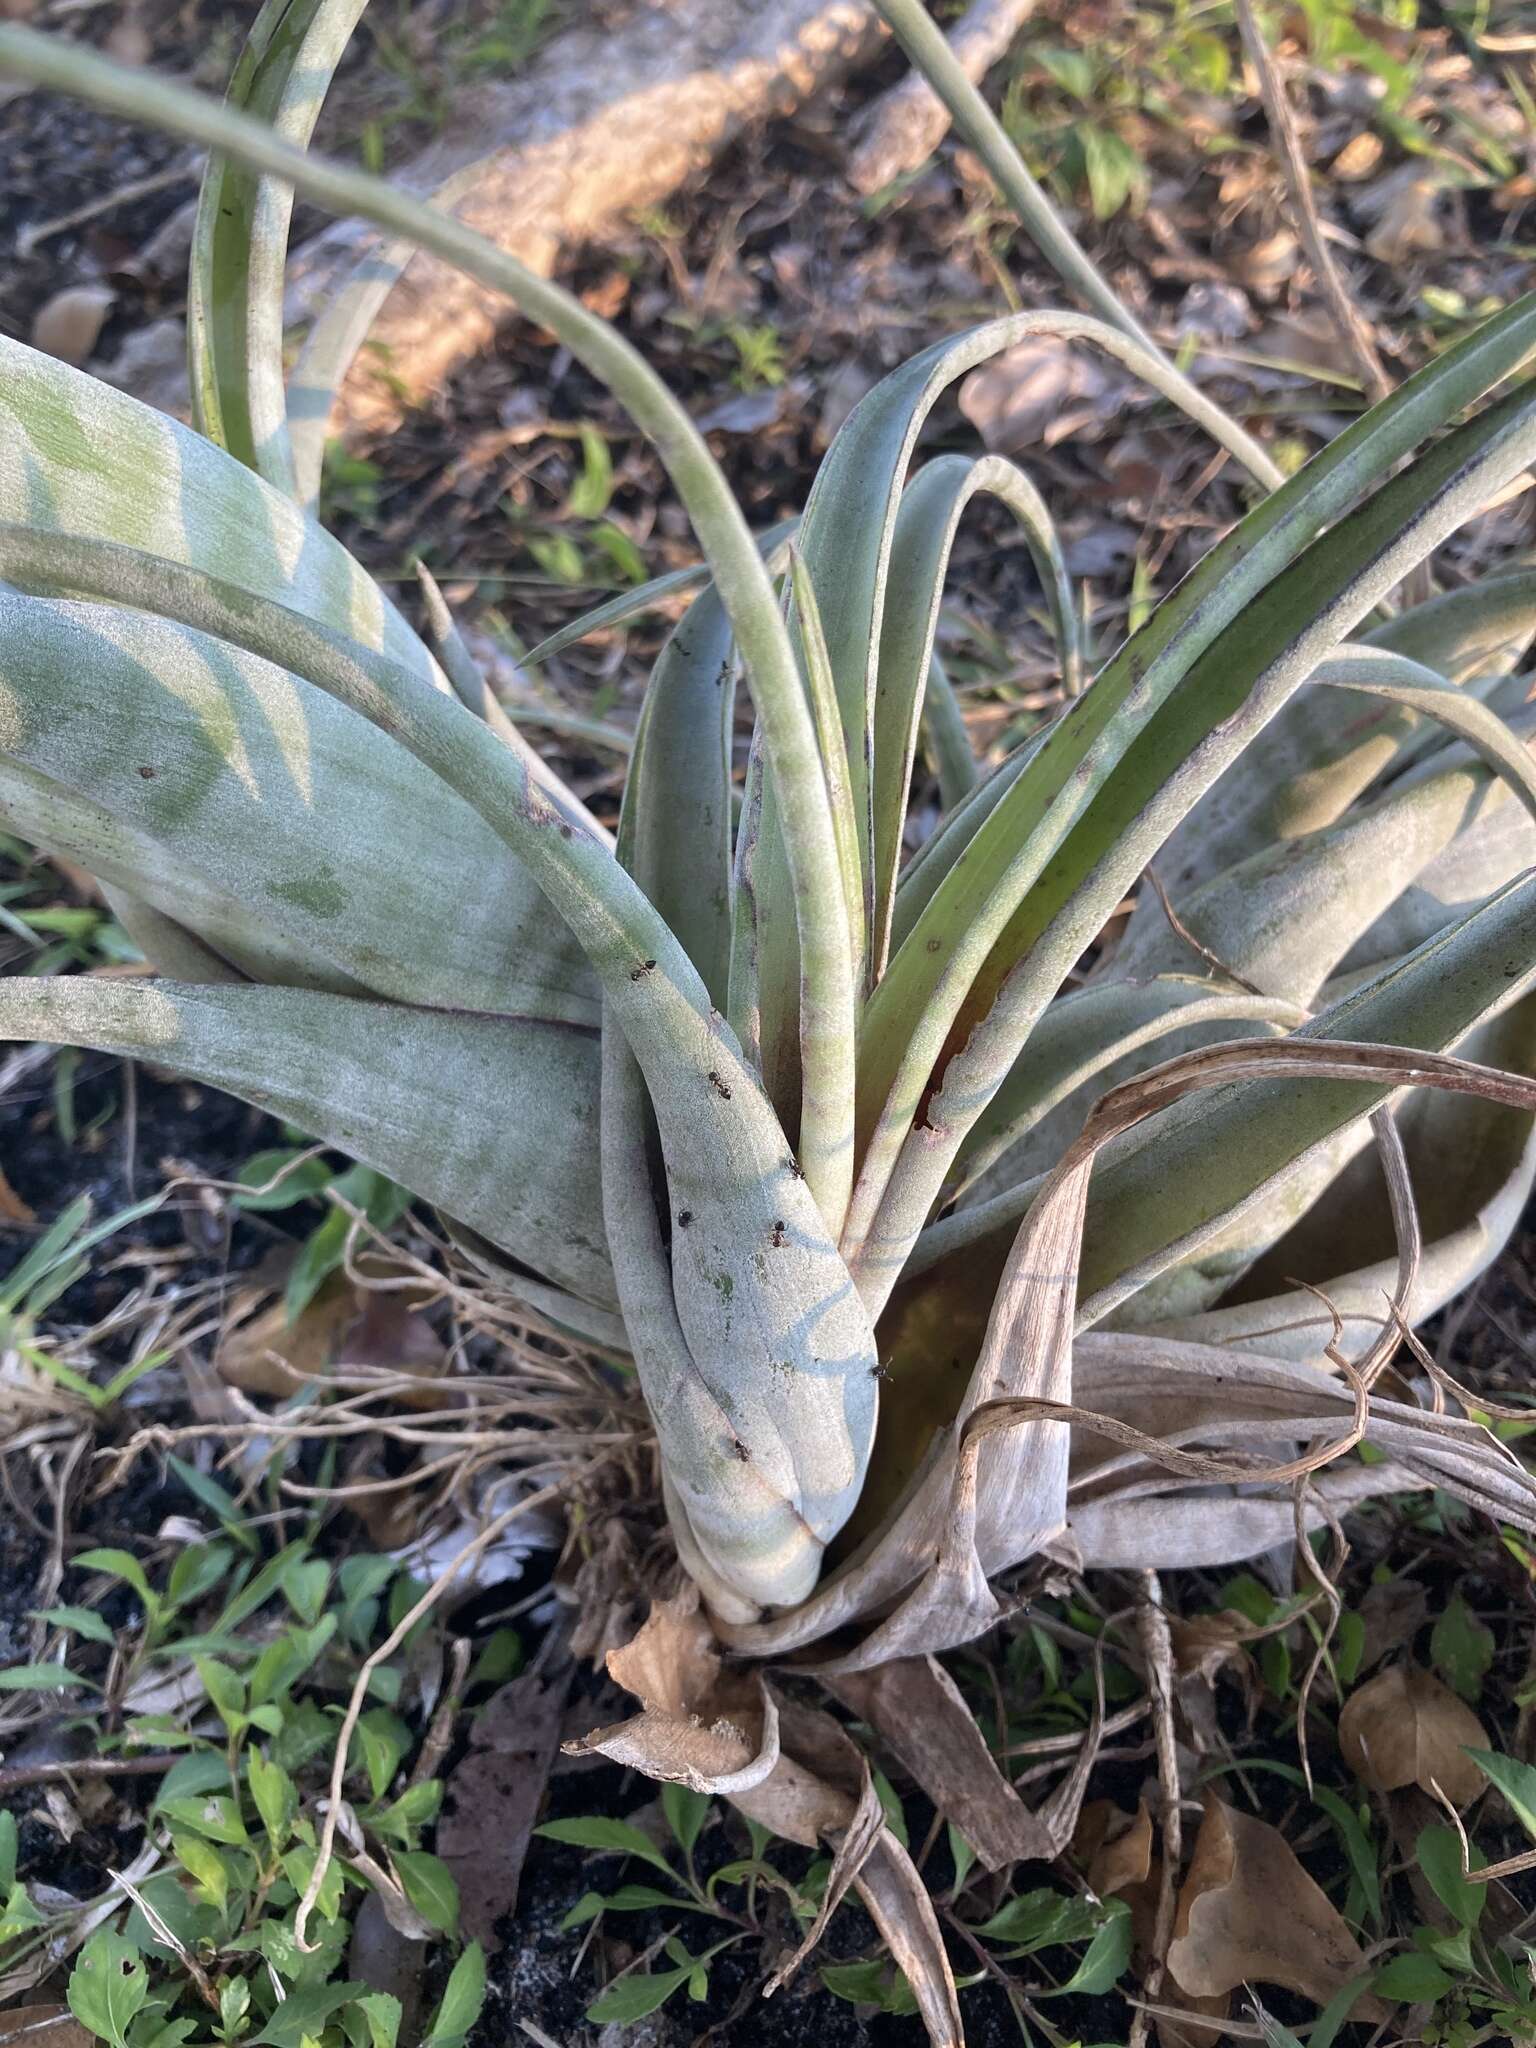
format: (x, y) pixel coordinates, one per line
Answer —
(795, 1123)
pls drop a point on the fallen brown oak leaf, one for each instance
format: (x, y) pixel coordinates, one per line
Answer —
(1249, 1913)
(42, 2026)
(1114, 1847)
(1403, 1727)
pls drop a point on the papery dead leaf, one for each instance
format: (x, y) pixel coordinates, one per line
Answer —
(1393, 1612)
(343, 1325)
(493, 1796)
(1405, 205)
(1403, 1727)
(1270, 263)
(68, 324)
(1205, 1645)
(385, 1960)
(267, 1354)
(787, 1766)
(1035, 391)
(915, 1708)
(1250, 1913)
(1359, 156)
(699, 1725)
(821, 1788)
(13, 1210)
(1114, 1847)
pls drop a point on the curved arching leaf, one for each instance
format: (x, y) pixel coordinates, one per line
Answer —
(273, 796)
(1218, 709)
(240, 242)
(927, 521)
(493, 1119)
(78, 458)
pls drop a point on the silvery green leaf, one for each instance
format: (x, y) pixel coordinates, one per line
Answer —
(274, 799)
(77, 457)
(493, 1119)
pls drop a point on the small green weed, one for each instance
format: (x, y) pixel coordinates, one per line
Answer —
(200, 1937)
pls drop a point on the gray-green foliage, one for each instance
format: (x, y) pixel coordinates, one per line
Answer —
(767, 1105)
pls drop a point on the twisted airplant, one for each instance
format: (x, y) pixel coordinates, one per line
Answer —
(803, 1126)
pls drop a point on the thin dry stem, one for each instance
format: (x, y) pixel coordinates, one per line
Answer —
(1353, 331)
(1157, 1652)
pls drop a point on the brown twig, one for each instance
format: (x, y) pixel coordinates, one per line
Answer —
(440, 1734)
(1353, 331)
(1157, 1651)
(1182, 932)
(13, 1777)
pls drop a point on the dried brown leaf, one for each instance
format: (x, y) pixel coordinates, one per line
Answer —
(1205, 1645)
(493, 1797)
(1403, 1727)
(1406, 207)
(1359, 156)
(268, 1354)
(699, 1725)
(720, 1731)
(916, 1710)
(1249, 1913)
(385, 1960)
(13, 1210)
(1022, 398)
(1114, 1847)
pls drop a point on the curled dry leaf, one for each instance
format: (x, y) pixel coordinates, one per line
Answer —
(699, 1725)
(1393, 1613)
(15, 1214)
(68, 324)
(268, 1354)
(1359, 156)
(1114, 1847)
(916, 1709)
(1249, 1913)
(790, 1767)
(1403, 1727)
(1205, 1647)
(385, 1960)
(1405, 206)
